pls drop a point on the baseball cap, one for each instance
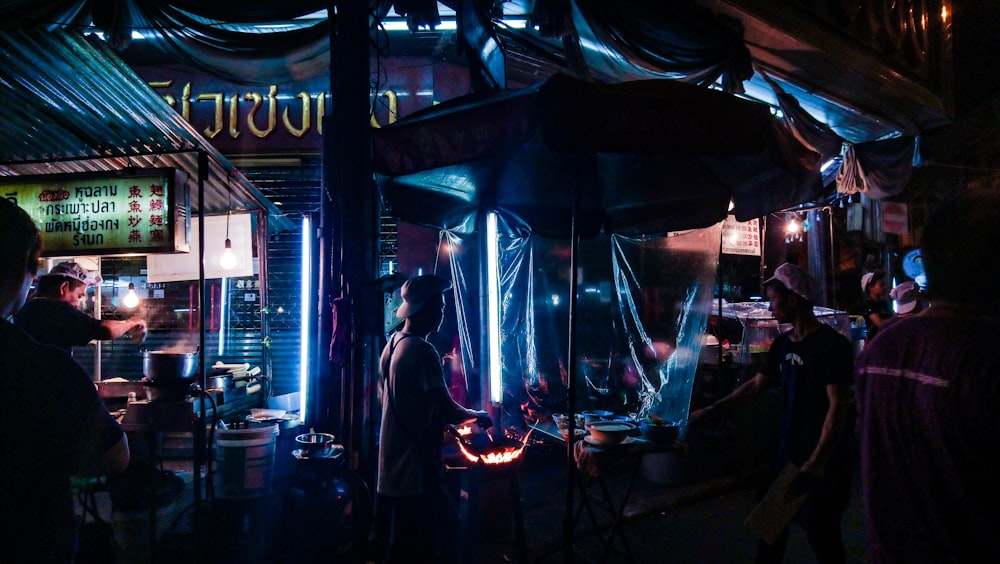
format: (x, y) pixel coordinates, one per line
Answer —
(74, 271)
(865, 279)
(794, 278)
(869, 278)
(418, 290)
(906, 295)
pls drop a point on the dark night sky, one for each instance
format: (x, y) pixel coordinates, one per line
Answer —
(977, 66)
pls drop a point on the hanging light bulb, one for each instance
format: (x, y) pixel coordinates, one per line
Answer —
(793, 227)
(131, 299)
(228, 259)
(793, 230)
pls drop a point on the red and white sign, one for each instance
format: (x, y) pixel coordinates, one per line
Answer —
(894, 218)
(741, 238)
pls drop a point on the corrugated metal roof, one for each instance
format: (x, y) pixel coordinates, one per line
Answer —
(71, 105)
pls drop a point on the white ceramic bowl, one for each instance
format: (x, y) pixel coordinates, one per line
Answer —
(610, 432)
(315, 443)
(595, 415)
(562, 421)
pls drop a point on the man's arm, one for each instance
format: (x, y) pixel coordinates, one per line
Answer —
(453, 412)
(744, 393)
(876, 319)
(833, 425)
(114, 329)
(115, 460)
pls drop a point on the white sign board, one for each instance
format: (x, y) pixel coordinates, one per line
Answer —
(173, 267)
(894, 218)
(741, 238)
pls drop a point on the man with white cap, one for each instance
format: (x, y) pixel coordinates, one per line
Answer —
(812, 364)
(416, 406)
(53, 317)
(908, 300)
(877, 308)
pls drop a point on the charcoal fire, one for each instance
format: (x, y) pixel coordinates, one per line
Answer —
(501, 451)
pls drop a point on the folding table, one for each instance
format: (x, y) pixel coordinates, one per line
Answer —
(594, 465)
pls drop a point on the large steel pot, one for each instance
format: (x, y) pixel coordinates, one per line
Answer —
(163, 366)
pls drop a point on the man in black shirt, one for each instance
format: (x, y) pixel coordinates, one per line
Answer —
(813, 365)
(53, 316)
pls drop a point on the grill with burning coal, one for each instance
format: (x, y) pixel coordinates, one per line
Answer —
(483, 448)
(494, 493)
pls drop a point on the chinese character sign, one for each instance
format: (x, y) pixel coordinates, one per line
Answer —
(103, 213)
(741, 238)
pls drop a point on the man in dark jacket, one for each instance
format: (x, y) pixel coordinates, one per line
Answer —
(929, 396)
(53, 424)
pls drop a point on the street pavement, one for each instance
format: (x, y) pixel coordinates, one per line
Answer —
(696, 517)
(699, 520)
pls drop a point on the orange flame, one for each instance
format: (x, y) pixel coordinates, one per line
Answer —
(508, 454)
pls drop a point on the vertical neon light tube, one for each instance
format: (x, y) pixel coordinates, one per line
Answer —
(223, 314)
(493, 306)
(305, 298)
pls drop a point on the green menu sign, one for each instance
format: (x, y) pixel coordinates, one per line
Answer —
(106, 213)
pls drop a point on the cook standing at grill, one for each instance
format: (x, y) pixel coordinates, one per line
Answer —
(416, 406)
(53, 316)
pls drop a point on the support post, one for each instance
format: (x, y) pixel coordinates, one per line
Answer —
(350, 225)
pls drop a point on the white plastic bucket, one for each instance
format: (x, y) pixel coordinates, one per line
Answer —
(244, 462)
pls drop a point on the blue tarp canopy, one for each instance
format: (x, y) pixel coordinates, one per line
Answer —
(647, 156)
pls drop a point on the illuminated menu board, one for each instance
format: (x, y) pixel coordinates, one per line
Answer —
(741, 238)
(106, 213)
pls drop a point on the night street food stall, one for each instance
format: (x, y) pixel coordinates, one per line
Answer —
(656, 189)
(114, 177)
(567, 159)
(122, 181)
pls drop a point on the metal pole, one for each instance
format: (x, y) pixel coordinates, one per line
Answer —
(569, 525)
(98, 306)
(265, 298)
(199, 430)
(718, 320)
(833, 262)
(763, 248)
(352, 190)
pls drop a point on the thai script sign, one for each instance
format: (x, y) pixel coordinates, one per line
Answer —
(239, 118)
(741, 238)
(103, 213)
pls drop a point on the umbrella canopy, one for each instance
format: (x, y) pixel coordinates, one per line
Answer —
(647, 156)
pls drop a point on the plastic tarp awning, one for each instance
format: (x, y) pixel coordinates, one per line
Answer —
(644, 158)
(71, 105)
(648, 156)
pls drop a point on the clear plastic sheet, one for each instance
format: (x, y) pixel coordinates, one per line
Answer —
(643, 305)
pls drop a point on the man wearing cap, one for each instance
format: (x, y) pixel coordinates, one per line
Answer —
(908, 300)
(877, 309)
(416, 406)
(53, 317)
(812, 364)
(929, 401)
